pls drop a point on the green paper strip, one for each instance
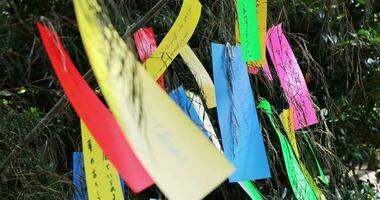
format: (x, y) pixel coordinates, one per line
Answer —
(321, 173)
(301, 188)
(249, 31)
(310, 180)
(251, 190)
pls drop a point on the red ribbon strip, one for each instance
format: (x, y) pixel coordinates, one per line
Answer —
(146, 45)
(94, 113)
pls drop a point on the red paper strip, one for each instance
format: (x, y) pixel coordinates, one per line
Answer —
(94, 113)
(253, 70)
(146, 45)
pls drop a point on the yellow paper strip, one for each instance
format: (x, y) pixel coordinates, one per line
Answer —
(237, 33)
(201, 75)
(287, 121)
(102, 179)
(175, 39)
(261, 6)
(183, 163)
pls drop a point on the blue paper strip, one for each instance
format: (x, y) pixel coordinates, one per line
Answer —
(179, 96)
(241, 134)
(79, 177)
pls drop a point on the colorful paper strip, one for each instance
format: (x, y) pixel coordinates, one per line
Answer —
(146, 45)
(201, 75)
(249, 32)
(299, 183)
(92, 111)
(241, 134)
(291, 78)
(261, 7)
(183, 163)
(79, 177)
(177, 37)
(102, 179)
(287, 121)
(179, 96)
(201, 110)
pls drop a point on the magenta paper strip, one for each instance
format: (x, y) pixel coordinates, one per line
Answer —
(291, 78)
(267, 71)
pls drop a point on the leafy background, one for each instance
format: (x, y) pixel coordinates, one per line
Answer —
(336, 42)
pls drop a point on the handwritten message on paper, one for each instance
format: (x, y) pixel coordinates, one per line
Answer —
(249, 33)
(177, 37)
(102, 179)
(241, 134)
(146, 45)
(201, 75)
(164, 139)
(291, 78)
(94, 113)
(79, 177)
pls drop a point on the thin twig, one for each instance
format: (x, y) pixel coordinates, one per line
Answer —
(148, 16)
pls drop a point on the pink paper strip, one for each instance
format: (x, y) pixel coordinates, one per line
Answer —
(267, 72)
(291, 78)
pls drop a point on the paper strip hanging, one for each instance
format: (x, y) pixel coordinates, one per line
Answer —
(320, 170)
(146, 45)
(261, 7)
(311, 181)
(265, 69)
(249, 33)
(200, 109)
(92, 111)
(251, 190)
(179, 96)
(79, 177)
(201, 75)
(267, 72)
(241, 134)
(301, 187)
(287, 121)
(248, 186)
(102, 179)
(253, 70)
(183, 163)
(291, 78)
(177, 37)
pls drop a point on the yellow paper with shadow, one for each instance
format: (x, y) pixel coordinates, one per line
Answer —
(102, 179)
(201, 75)
(175, 39)
(287, 121)
(261, 7)
(172, 149)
